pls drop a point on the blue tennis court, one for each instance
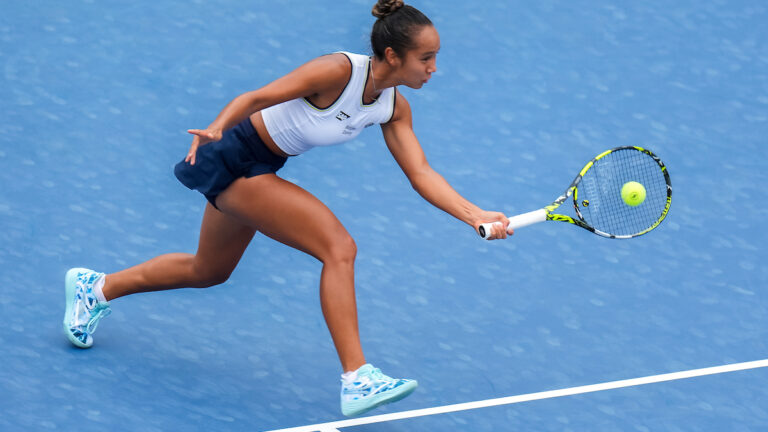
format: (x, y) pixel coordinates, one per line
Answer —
(95, 101)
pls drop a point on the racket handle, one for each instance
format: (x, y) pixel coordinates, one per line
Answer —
(516, 222)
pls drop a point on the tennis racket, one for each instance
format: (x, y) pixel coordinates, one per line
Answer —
(597, 196)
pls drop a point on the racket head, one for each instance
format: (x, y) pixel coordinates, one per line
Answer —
(597, 198)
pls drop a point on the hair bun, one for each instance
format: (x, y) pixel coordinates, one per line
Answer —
(384, 8)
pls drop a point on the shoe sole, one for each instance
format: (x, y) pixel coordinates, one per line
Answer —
(379, 400)
(70, 283)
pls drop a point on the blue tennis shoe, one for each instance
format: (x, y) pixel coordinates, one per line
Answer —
(83, 310)
(370, 389)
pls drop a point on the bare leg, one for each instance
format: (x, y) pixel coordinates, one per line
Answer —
(222, 242)
(293, 216)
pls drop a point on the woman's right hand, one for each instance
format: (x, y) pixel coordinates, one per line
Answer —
(202, 137)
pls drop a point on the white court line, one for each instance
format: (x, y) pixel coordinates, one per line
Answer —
(333, 426)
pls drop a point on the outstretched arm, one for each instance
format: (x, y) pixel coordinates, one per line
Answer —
(407, 151)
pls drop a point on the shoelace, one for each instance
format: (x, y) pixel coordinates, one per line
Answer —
(376, 373)
(101, 312)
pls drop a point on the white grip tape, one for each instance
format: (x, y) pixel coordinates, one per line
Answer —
(518, 221)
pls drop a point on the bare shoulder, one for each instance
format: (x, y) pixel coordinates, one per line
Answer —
(402, 108)
(338, 60)
(331, 67)
(321, 77)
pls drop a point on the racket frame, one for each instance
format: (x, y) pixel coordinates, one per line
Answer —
(546, 214)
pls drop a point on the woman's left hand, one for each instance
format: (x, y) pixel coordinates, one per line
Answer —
(498, 231)
(202, 137)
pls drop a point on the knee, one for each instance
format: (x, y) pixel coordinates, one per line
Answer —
(342, 250)
(205, 277)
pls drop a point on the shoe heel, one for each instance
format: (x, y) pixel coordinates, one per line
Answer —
(70, 283)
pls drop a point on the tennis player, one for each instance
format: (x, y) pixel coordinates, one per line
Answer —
(233, 162)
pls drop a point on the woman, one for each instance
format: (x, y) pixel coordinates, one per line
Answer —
(233, 163)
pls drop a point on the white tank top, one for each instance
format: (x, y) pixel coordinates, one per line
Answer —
(297, 125)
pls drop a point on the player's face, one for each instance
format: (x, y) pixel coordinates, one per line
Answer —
(420, 61)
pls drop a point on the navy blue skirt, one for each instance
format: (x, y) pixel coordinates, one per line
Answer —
(239, 153)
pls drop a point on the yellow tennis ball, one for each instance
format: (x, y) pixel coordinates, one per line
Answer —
(633, 193)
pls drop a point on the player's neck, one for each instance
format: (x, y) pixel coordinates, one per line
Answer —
(381, 77)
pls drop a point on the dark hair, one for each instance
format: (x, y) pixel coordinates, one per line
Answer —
(395, 26)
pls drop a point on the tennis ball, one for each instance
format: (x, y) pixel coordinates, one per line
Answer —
(633, 193)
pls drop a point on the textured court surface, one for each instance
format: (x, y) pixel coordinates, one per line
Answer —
(95, 97)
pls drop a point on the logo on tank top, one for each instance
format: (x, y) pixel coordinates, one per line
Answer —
(342, 116)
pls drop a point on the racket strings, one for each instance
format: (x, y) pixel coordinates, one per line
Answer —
(600, 190)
